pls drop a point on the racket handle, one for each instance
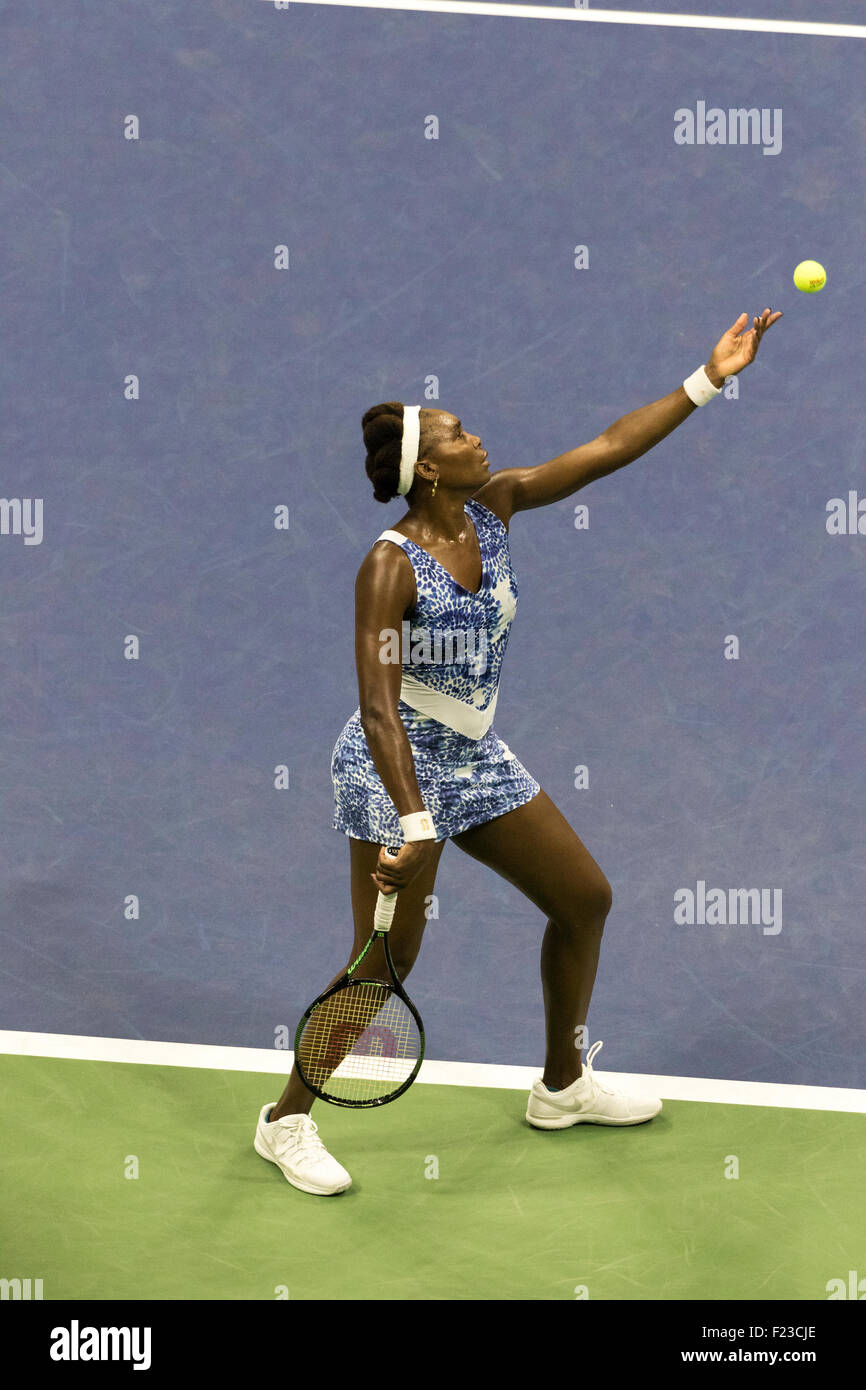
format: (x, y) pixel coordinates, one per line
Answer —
(386, 903)
(386, 906)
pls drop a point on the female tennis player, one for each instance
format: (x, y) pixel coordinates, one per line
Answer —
(421, 746)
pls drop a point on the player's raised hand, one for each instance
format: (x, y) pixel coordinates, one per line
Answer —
(739, 345)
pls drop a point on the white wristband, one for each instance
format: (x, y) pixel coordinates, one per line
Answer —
(418, 826)
(699, 388)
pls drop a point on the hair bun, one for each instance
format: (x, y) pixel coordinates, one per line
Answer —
(382, 427)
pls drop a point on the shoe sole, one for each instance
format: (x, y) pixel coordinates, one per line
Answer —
(301, 1186)
(566, 1121)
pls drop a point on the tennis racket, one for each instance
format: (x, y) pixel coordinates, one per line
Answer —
(361, 1042)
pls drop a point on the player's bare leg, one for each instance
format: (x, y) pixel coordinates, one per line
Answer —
(535, 848)
(407, 931)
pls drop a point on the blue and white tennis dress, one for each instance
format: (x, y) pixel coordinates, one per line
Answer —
(451, 656)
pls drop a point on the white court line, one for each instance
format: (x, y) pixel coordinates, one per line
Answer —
(590, 16)
(276, 1063)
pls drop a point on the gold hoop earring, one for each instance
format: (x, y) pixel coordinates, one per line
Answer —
(435, 485)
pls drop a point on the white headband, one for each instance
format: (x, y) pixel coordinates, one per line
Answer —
(409, 454)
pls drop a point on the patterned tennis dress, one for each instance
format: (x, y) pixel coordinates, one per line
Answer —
(451, 656)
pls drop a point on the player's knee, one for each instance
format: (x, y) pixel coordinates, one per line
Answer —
(595, 902)
(586, 907)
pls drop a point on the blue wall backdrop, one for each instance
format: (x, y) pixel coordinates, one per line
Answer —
(435, 271)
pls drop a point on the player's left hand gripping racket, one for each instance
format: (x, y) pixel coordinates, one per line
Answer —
(362, 1041)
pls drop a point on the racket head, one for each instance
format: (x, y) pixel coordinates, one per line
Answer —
(361, 1043)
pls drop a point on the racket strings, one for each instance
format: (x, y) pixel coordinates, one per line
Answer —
(362, 1043)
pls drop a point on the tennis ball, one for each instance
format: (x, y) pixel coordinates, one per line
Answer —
(810, 277)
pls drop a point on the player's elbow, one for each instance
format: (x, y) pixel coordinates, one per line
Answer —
(377, 715)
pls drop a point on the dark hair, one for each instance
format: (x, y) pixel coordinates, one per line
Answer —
(383, 433)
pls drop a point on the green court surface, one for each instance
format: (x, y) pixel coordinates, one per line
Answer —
(642, 1213)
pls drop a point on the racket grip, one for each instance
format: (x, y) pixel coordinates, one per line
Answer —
(386, 906)
(386, 903)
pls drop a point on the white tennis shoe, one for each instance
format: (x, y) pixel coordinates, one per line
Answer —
(587, 1101)
(293, 1144)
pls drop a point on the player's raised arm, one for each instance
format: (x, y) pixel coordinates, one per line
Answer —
(517, 489)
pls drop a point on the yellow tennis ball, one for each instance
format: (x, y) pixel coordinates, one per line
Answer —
(810, 277)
